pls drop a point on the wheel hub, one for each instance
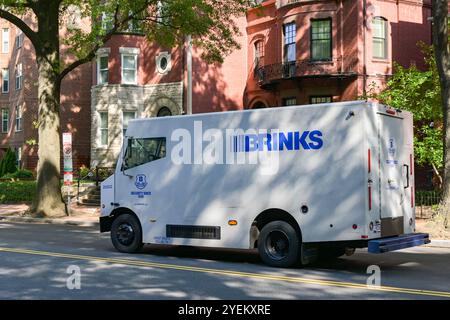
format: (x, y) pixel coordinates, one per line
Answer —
(277, 245)
(125, 234)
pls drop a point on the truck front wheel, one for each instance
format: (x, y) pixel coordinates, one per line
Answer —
(126, 233)
(279, 244)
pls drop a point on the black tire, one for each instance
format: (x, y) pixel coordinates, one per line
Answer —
(126, 233)
(279, 244)
(329, 254)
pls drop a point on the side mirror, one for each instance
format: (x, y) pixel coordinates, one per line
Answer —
(127, 154)
(129, 147)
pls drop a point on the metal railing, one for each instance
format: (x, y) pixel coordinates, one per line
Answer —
(426, 202)
(337, 67)
(97, 175)
(282, 3)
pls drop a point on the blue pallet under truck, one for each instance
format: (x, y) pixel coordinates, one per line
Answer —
(398, 242)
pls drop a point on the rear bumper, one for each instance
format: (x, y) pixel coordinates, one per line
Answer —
(398, 242)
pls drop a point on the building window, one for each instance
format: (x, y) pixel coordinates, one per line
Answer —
(18, 152)
(289, 42)
(5, 120)
(102, 69)
(103, 128)
(5, 80)
(379, 38)
(107, 21)
(320, 99)
(321, 40)
(290, 101)
(163, 62)
(259, 53)
(18, 118)
(259, 105)
(5, 40)
(135, 25)
(129, 68)
(164, 112)
(19, 39)
(19, 76)
(127, 116)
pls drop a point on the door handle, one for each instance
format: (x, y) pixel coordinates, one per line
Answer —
(407, 176)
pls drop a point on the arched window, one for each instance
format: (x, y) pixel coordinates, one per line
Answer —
(259, 53)
(164, 112)
(259, 105)
(379, 38)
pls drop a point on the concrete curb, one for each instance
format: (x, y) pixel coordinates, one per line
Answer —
(439, 243)
(71, 222)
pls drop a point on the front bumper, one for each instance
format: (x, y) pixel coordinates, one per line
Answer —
(105, 223)
(398, 242)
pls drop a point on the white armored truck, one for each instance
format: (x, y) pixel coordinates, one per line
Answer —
(297, 183)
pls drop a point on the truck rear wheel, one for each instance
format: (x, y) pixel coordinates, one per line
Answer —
(279, 244)
(126, 233)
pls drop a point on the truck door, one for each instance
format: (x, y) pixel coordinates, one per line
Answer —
(393, 166)
(139, 177)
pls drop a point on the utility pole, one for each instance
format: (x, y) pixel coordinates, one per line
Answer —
(189, 74)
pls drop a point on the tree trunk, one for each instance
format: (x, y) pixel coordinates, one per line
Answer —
(48, 201)
(446, 182)
(441, 49)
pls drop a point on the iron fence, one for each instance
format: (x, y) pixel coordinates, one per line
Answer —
(426, 202)
(97, 175)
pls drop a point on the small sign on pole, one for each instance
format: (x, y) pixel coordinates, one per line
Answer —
(68, 168)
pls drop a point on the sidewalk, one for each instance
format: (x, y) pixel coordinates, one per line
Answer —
(80, 215)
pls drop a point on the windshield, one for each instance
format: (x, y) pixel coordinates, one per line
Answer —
(143, 150)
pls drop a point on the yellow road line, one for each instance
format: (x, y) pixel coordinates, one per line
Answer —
(141, 263)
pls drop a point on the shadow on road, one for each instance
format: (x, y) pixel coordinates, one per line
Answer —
(224, 255)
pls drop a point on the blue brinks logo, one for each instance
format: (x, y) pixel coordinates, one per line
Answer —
(306, 140)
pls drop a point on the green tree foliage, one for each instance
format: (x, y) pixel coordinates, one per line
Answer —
(8, 163)
(419, 92)
(84, 26)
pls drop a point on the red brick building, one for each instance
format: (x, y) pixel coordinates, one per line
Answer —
(18, 101)
(292, 52)
(321, 51)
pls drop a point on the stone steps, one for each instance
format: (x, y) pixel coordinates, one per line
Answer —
(92, 197)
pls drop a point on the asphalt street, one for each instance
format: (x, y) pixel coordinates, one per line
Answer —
(39, 261)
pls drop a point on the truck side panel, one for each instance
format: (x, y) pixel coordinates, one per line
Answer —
(329, 181)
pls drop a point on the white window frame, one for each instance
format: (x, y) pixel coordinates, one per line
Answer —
(18, 152)
(5, 79)
(123, 120)
(290, 40)
(99, 70)
(5, 128)
(107, 21)
(383, 39)
(289, 101)
(19, 38)
(5, 40)
(101, 129)
(158, 59)
(320, 99)
(19, 124)
(134, 52)
(19, 76)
